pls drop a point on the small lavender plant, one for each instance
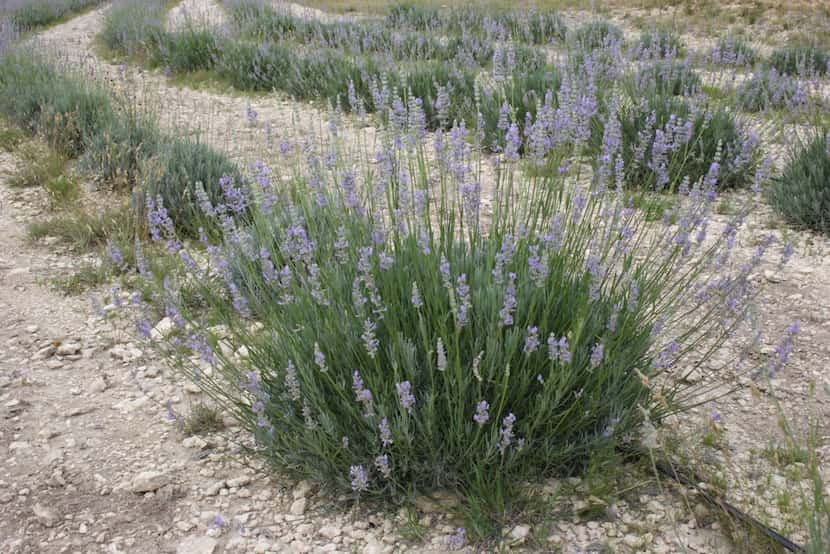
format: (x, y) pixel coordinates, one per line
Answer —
(801, 194)
(769, 89)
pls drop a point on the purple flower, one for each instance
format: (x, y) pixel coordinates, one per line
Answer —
(320, 358)
(159, 220)
(510, 303)
(239, 302)
(424, 242)
(457, 540)
(444, 268)
(385, 432)
(292, 383)
(385, 261)
(143, 328)
(462, 292)
(597, 355)
(359, 477)
(405, 396)
(442, 355)
(369, 340)
(666, 356)
(504, 117)
(553, 348)
(657, 327)
(506, 432)
(361, 393)
(382, 463)
(513, 143)
(532, 340)
(218, 522)
(564, 351)
(482, 414)
(417, 301)
(115, 254)
(200, 346)
(538, 266)
(234, 196)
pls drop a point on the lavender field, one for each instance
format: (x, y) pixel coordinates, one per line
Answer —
(357, 276)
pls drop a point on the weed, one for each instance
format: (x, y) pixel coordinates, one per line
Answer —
(10, 138)
(39, 165)
(203, 419)
(83, 231)
(87, 277)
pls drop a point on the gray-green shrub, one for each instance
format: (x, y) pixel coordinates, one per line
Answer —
(667, 78)
(797, 60)
(801, 194)
(395, 343)
(768, 89)
(664, 142)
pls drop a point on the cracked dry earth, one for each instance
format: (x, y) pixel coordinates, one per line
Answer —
(91, 464)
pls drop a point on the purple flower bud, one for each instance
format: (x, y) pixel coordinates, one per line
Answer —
(382, 463)
(457, 540)
(385, 432)
(442, 355)
(359, 477)
(320, 358)
(506, 432)
(482, 414)
(405, 396)
(532, 340)
(510, 303)
(597, 355)
(370, 342)
(417, 301)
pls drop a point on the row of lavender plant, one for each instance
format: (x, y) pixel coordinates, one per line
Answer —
(263, 20)
(531, 26)
(522, 92)
(109, 136)
(27, 15)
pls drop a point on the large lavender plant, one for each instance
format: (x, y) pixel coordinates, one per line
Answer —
(377, 329)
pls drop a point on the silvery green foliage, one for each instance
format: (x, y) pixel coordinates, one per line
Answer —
(457, 342)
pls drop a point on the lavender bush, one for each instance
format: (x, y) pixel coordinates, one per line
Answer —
(667, 144)
(658, 44)
(801, 194)
(667, 78)
(133, 27)
(597, 34)
(379, 331)
(32, 14)
(42, 99)
(800, 60)
(732, 51)
(768, 89)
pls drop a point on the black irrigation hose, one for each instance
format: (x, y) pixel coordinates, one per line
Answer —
(690, 479)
